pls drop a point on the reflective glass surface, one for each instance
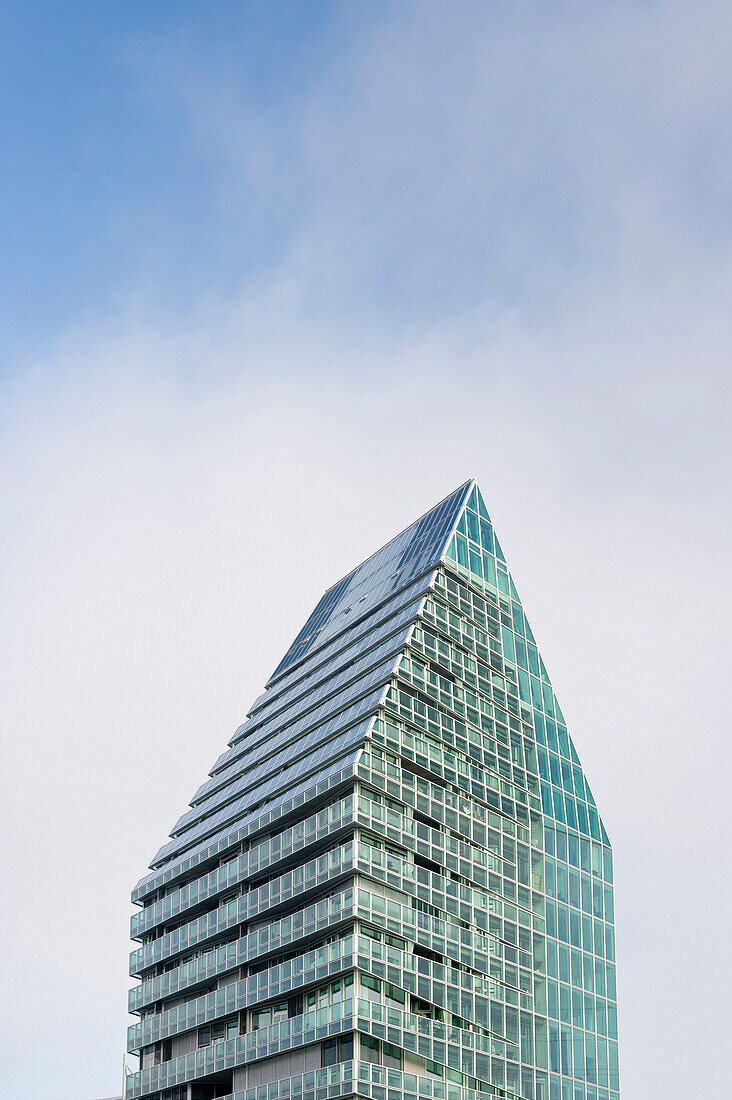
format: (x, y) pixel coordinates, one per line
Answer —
(406, 556)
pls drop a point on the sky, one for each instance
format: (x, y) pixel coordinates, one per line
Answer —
(275, 278)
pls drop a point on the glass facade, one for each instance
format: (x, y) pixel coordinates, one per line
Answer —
(395, 882)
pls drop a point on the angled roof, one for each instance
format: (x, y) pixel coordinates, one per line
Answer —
(409, 554)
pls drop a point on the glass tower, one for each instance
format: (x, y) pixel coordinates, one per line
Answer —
(395, 881)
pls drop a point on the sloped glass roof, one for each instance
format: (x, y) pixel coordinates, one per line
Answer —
(406, 556)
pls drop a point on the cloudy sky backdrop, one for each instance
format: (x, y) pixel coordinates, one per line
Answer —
(276, 277)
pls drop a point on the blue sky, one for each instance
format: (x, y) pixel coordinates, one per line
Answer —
(102, 175)
(275, 279)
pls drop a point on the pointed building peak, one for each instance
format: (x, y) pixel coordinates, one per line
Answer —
(451, 504)
(399, 563)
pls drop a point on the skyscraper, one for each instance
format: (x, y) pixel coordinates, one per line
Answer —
(395, 881)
